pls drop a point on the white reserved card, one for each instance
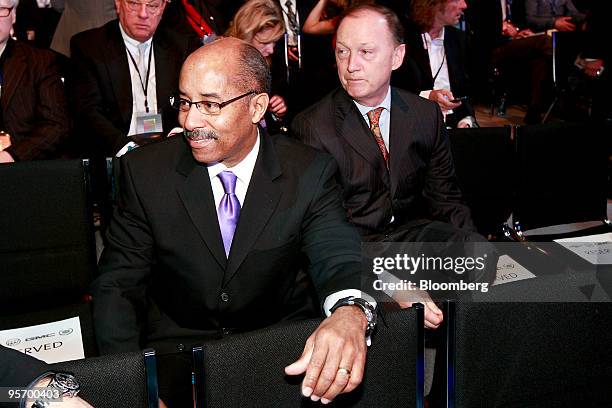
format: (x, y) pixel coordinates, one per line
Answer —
(596, 249)
(50, 342)
(508, 270)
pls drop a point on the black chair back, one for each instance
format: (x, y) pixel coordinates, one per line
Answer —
(485, 164)
(246, 370)
(127, 380)
(562, 174)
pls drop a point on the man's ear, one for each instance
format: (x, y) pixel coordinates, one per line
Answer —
(398, 56)
(258, 106)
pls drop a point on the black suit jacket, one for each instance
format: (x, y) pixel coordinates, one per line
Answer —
(34, 109)
(420, 184)
(415, 73)
(164, 275)
(18, 370)
(102, 89)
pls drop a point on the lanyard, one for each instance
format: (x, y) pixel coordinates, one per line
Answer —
(145, 84)
(427, 46)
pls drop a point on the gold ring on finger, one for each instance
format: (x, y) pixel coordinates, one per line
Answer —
(344, 371)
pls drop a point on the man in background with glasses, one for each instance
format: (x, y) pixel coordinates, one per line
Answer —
(34, 118)
(211, 229)
(124, 73)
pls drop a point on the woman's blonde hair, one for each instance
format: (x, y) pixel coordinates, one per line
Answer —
(255, 16)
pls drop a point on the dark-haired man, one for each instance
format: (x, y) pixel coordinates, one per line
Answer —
(210, 227)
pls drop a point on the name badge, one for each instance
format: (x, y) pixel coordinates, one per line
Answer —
(149, 123)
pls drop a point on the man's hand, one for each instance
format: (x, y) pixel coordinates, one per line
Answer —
(292, 53)
(66, 402)
(277, 105)
(525, 33)
(433, 314)
(565, 24)
(443, 97)
(334, 356)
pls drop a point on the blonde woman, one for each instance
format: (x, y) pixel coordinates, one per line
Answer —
(260, 23)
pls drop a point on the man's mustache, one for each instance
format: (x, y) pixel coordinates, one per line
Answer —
(200, 134)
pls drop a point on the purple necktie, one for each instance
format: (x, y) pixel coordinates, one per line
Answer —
(229, 209)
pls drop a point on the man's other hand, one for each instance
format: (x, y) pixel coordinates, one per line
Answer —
(334, 356)
(565, 24)
(277, 105)
(433, 314)
(443, 97)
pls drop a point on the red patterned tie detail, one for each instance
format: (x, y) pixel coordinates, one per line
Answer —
(374, 116)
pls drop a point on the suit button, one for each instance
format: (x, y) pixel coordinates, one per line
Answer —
(226, 331)
(180, 347)
(224, 297)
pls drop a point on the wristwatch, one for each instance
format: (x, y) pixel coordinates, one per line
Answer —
(368, 309)
(65, 383)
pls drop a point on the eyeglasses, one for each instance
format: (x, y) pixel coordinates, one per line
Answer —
(5, 11)
(205, 107)
(153, 8)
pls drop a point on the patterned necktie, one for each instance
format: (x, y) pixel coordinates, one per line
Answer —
(293, 26)
(229, 209)
(374, 116)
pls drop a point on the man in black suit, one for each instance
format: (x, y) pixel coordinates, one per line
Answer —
(397, 174)
(114, 88)
(435, 66)
(34, 114)
(209, 231)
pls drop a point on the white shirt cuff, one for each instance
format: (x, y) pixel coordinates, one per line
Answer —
(425, 94)
(126, 148)
(332, 299)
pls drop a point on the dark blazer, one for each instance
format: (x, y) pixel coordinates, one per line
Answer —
(102, 89)
(34, 109)
(420, 183)
(18, 370)
(415, 73)
(164, 275)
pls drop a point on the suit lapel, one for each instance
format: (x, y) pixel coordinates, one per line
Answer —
(402, 129)
(13, 71)
(116, 62)
(351, 126)
(196, 194)
(262, 197)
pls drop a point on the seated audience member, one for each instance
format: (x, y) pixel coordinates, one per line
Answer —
(34, 117)
(260, 23)
(20, 371)
(124, 74)
(398, 180)
(210, 228)
(562, 15)
(435, 65)
(518, 55)
(77, 16)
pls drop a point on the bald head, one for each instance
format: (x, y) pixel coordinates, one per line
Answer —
(246, 69)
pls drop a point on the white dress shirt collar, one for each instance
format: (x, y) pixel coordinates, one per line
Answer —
(242, 170)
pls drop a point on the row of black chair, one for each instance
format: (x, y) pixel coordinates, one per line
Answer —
(543, 175)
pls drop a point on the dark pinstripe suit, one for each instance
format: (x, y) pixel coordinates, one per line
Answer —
(34, 107)
(420, 184)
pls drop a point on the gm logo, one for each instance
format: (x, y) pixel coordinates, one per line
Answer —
(13, 342)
